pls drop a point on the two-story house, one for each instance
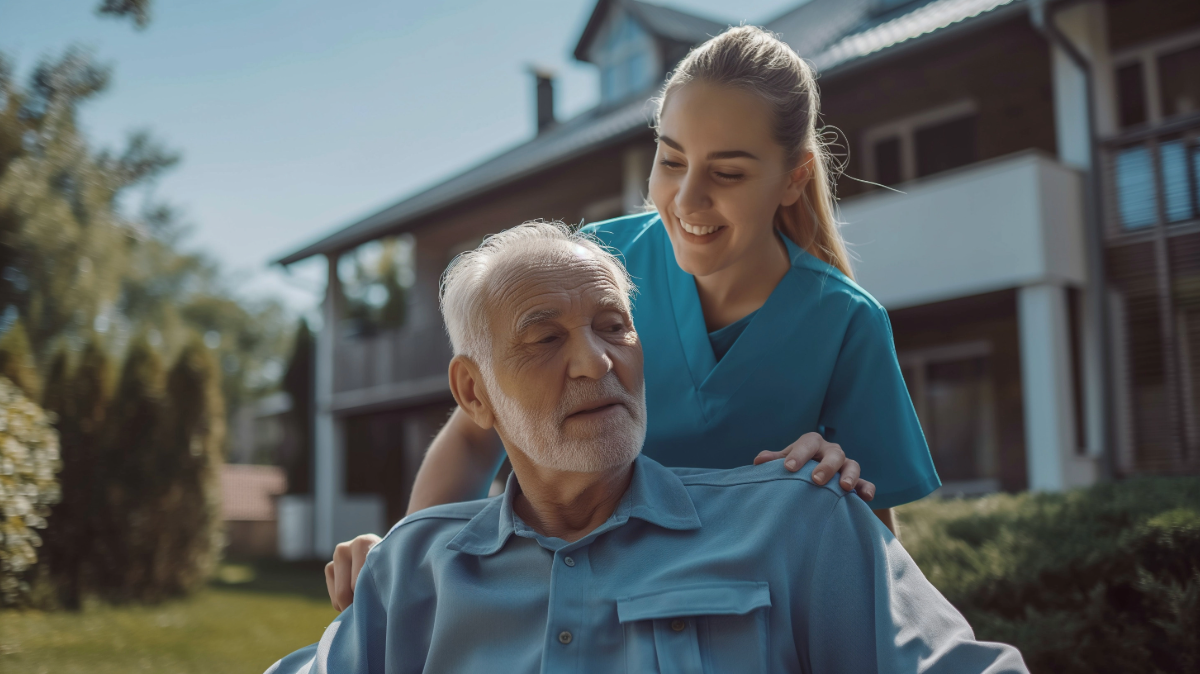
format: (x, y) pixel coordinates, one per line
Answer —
(1038, 253)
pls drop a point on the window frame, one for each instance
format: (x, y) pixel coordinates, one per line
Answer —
(1148, 53)
(905, 129)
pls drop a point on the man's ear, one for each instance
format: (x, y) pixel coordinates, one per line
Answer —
(466, 385)
(798, 180)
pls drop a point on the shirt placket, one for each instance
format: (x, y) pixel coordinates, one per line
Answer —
(568, 634)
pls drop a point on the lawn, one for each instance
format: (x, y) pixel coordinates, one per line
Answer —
(250, 616)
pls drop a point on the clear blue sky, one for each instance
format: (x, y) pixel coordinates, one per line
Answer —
(296, 117)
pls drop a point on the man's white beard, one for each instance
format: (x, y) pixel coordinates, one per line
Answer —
(541, 436)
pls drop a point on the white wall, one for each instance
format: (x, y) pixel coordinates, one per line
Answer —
(1003, 223)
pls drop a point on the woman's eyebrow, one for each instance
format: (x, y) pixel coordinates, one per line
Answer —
(723, 154)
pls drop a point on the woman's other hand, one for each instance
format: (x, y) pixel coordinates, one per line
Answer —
(342, 573)
(831, 457)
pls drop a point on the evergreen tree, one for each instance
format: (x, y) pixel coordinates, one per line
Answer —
(17, 363)
(79, 398)
(126, 468)
(298, 383)
(187, 497)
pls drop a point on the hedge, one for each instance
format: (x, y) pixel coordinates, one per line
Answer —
(1104, 579)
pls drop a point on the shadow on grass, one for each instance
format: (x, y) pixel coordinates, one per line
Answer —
(272, 576)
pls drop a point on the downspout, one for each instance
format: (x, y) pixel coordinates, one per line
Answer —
(1042, 14)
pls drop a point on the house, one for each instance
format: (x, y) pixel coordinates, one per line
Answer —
(1039, 253)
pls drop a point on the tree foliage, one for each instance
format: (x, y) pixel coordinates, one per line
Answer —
(140, 516)
(74, 261)
(137, 10)
(29, 458)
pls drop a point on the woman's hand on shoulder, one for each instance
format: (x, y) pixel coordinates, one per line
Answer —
(831, 460)
(341, 574)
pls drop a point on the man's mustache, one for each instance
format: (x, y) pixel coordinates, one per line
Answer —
(584, 393)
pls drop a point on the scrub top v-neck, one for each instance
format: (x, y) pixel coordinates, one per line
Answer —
(817, 356)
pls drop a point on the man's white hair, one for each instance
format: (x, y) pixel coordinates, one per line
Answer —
(465, 287)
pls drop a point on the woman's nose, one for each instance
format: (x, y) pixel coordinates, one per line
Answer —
(693, 194)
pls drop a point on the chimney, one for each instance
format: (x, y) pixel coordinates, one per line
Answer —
(545, 97)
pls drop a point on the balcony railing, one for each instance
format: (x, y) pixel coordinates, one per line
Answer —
(390, 367)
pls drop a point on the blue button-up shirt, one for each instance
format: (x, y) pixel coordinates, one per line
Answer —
(754, 569)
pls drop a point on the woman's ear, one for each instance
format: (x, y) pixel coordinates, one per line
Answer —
(466, 385)
(797, 180)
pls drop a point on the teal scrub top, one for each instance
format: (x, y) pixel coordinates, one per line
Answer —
(817, 356)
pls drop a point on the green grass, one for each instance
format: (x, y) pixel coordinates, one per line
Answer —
(251, 615)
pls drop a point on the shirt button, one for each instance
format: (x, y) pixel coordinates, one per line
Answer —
(569, 561)
(678, 625)
(564, 637)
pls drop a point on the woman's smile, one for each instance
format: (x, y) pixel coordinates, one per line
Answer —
(700, 233)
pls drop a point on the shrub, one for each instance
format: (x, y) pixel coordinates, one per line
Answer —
(1104, 579)
(29, 459)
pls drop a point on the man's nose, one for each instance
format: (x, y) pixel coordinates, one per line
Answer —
(587, 356)
(693, 193)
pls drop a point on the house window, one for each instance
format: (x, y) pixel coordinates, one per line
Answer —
(626, 61)
(375, 278)
(1131, 97)
(922, 145)
(1155, 84)
(952, 390)
(945, 146)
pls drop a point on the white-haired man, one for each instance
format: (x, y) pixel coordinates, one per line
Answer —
(596, 559)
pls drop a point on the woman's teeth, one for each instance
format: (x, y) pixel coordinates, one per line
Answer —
(698, 231)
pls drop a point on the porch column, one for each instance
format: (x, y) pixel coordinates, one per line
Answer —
(1052, 460)
(635, 177)
(329, 463)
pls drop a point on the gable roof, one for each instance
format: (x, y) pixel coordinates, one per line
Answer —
(833, 34)
(662, 22)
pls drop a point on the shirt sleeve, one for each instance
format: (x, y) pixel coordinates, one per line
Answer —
(353, 643)
(868, 412)
(870, 609)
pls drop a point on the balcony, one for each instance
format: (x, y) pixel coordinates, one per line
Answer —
(391, 368)
(1003, 223)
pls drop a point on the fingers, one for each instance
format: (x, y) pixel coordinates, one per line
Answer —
(329, 576)
(850, 472)
(765, 456)
(799, 452)
(342, 592)
(359, 547)
(832, 460)
(866, 490)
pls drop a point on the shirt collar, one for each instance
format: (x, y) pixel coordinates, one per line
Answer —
(655, 495)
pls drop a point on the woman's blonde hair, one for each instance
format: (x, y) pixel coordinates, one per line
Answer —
(756, 60)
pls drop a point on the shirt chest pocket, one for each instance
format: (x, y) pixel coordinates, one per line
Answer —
(697, 629)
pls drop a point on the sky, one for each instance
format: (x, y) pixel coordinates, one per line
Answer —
(296, 118)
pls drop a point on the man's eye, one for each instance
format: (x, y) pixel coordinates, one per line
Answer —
(547, 339)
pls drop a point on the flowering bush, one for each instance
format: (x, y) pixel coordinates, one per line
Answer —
(29, 459)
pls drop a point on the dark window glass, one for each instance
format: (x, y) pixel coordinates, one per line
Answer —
(944, 146)
(1131, 95)
(887, 161)
(959, 400)
(1179, 82)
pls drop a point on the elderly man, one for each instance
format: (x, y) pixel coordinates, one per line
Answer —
(596, 559)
